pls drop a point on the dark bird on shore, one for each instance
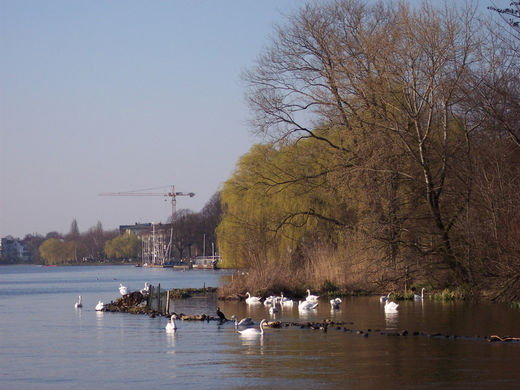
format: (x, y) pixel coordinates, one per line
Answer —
(221, 315)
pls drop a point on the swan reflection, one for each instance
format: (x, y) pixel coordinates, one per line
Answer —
(391, 320)
(252, 344)
(170, 341)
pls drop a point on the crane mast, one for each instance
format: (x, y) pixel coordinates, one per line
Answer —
(171, 194)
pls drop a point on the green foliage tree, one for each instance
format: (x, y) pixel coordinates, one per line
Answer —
(125, 246)
(55, 251)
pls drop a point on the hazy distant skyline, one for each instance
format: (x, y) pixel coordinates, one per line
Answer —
(122, 95)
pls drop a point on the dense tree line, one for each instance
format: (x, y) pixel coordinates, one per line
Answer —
(74, 247)
(391, 156)
(95, 245)
(194, 232)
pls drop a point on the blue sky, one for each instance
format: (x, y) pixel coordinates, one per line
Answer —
(101, 96)
(121, 95)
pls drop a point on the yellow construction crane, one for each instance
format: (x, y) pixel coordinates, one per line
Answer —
(171, 194)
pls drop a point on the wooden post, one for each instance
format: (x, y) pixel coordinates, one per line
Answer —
(168, 302)
(159, 307)
(149, 298)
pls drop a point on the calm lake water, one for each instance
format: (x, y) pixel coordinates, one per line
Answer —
(45, 343)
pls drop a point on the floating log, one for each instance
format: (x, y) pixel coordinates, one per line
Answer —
(505, 339)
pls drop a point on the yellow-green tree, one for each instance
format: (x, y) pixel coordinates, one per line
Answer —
(54, 251)
(276, 197)
(125, 246)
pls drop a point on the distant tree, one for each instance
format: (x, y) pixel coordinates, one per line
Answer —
(125, 246)
(94, 240)
(53, 251)
(74, 230)
(184, 234)
(210, 216)
(189, 228)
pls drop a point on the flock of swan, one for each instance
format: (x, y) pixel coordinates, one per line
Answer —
(311, 302)
(391, 307)
(123, 290)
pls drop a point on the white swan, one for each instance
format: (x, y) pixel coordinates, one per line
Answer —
(253, 331)
(384, 298)
(247, 321)
(418, 297)
(78, 304)
(334, 303)
(146, 288)
(311, 298)
(100, 306)
(122, 289)
(251, 300)
(285, 301)
(307, 305)
(270, 300)
(391, 307)
(171, 326)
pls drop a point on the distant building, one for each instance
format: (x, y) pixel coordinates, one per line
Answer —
(137, 228)
(13, 251)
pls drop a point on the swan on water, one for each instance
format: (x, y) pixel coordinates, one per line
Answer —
(384, 298)
(391, 307)
(418, 297)
(334, 303)
(307, 305)
(252, 300)
(273, 309)
(253, 331)
(270, 300)
(247, 321)
(100, 306)
(285, 301)
(311, 298)
(146, 288)
(78, 303)
(171, 326)
(122, 289)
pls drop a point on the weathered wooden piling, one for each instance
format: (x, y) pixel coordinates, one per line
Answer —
(167, 309)
(159, 297)
(149, 298)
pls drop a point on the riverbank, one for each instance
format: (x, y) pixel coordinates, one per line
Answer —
(294, 284)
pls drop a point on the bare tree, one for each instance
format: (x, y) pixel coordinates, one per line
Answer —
(381, 87)
(510, 15)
